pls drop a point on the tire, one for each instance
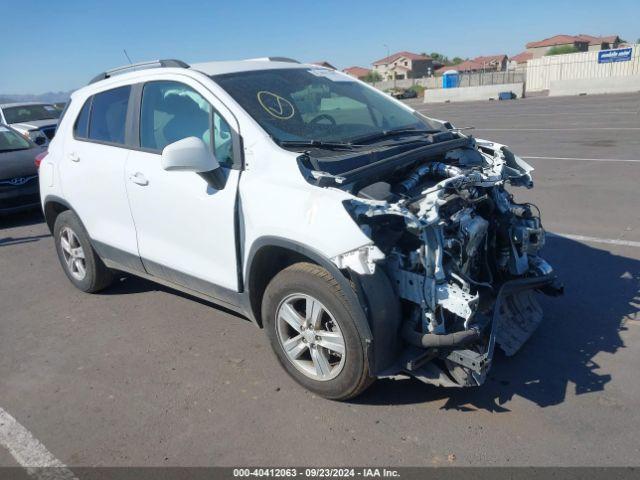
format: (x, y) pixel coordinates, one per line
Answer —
(306, 286)
(95, 276)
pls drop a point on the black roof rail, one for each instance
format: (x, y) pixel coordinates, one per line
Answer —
(272, 59)
(283, 59)
(168, 63)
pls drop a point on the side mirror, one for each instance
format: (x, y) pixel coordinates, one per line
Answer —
(40, 141)
(191, 154)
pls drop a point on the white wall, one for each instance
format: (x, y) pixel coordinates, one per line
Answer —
(430, 82)
(542, 71)
(466, 94)
(628, 83)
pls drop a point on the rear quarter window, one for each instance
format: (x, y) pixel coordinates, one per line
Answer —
(81, 127)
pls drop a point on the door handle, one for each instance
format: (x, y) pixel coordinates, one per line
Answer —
(139, 179)
(74, 157)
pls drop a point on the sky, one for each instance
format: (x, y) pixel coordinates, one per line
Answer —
(53, 46)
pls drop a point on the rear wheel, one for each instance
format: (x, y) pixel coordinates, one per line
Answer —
(313, 333)
(78, 259)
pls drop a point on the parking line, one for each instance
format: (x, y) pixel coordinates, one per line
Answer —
(607, 241)
(29, 452)
(577, 159)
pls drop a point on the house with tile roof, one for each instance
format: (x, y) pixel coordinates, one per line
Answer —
(357, 72)
(487, 63)
(582, 42)
(404, 64)
(519, 62)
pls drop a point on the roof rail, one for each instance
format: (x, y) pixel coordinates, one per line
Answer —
(168, 63)
(274, 59)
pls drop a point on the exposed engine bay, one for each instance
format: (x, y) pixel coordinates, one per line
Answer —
(461, 254)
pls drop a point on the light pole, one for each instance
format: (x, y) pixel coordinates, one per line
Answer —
(393, 73)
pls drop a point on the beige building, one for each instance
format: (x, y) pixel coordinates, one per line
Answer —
(403, 65)
(582, 42)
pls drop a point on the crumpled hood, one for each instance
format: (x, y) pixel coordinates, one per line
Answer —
(19, 163)
(34, 125)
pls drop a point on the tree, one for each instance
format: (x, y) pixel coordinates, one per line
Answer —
(562, 50)
(456, 60)
(439, 57)
(372, 77)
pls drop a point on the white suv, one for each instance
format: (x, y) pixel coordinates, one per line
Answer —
(367, 239)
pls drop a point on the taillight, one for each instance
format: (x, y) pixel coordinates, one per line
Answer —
(40, 157)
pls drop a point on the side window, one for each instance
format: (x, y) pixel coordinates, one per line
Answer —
(109, 115)
(81, 127)
(171, 111)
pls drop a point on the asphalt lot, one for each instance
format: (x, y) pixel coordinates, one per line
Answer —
(141, 375)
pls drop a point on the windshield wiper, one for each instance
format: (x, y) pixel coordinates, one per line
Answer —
(317, 144)
(392, 133)
(14, 149)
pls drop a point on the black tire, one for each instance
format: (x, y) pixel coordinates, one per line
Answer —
(315, 281)
(97, 276)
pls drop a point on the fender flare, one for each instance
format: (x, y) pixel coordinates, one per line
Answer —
(54, 198)
(352, 296)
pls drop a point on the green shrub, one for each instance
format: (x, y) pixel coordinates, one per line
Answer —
(372, 77)
(562, 50)
(419, 89)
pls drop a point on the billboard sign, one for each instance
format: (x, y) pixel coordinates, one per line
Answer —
(617, 55)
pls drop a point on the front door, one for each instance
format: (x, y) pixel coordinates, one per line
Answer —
(185, 228)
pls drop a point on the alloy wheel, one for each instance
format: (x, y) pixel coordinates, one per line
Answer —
(310, 337)
(73, 253)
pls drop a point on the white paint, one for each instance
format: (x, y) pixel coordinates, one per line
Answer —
(584, 159)
(29, 452)
(607, 241)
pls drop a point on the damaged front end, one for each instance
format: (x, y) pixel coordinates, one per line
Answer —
(461, 254)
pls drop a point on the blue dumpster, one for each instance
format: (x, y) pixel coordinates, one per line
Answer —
(450, 79)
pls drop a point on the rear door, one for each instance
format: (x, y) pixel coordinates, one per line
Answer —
(185, 228)
(93, 174)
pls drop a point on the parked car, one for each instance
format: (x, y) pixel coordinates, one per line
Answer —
(36, 121)
(406, 93)
(60, 105)
(18, 173)
(366, 239)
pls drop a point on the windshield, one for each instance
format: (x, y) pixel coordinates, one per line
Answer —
(10, 140)
(304, 105)
(30, 113)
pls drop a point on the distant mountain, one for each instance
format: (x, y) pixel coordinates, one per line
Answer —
(49, 97)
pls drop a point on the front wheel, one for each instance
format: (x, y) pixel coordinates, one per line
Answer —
(312, 330)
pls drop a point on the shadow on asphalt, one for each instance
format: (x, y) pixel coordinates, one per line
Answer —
(602, 291)
(23, 219)
(128, 284)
